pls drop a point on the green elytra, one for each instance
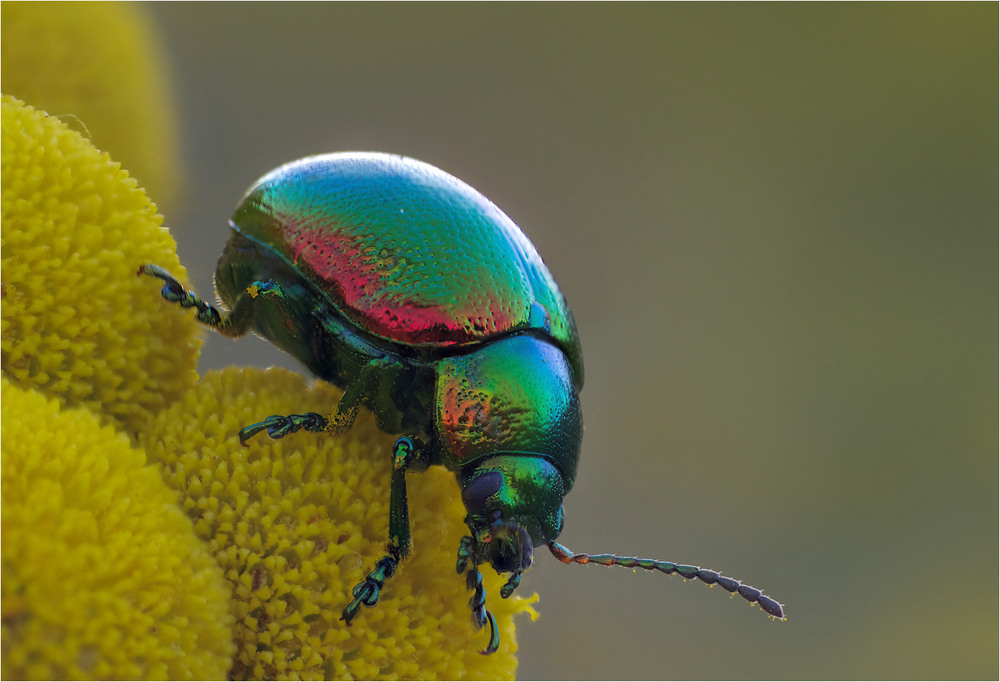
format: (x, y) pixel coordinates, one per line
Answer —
(415, 294)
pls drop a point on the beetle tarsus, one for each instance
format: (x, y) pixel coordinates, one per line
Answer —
(512, 582)
(367, 591)
(278, 426)
(175, 293)
(480, 614)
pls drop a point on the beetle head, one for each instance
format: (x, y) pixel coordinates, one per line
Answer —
(514, 503)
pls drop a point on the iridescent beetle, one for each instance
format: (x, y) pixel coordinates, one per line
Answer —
(423, 301)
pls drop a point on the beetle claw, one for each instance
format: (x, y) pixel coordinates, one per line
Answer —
(494, 636)
(367, 591)
(269, 424)
(248, 432)
(364, 593)
(480, 614)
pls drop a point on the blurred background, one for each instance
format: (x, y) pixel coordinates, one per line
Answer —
(777, 228)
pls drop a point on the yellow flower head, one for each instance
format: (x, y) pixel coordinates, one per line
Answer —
(296, 523)
(76, 321)
(103, 575)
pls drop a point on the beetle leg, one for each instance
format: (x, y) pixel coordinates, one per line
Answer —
(480, 615)
(474, 581)
(278, 426)
(342, 418)
(512, 582)
(366, 592)
(464, 553)
(234, 323)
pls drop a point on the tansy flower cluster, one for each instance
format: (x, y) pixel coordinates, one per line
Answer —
(139, 539)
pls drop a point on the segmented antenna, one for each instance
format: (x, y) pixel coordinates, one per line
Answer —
(751, 594)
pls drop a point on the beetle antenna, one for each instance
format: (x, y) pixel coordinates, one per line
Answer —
(751, 594)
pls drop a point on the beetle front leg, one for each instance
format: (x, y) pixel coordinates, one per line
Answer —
(474, 581)
(342, 418)
(480, 614)
(404, 453)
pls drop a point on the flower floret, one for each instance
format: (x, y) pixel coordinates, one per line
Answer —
(103, 576)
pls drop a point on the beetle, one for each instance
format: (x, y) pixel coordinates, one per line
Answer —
(425, 303)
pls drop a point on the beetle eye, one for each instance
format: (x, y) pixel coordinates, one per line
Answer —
(481, 488)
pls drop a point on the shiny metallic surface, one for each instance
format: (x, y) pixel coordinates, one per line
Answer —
(406, 251)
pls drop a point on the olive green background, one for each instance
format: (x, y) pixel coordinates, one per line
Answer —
(777, 228)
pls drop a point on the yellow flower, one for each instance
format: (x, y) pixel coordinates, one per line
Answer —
(76, 321)
(296, 523)
(103, 575)
(99, 66)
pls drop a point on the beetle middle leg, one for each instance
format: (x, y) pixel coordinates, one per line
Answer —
(279, 426)
(405, 453)
(340, 421)
(343, 416)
